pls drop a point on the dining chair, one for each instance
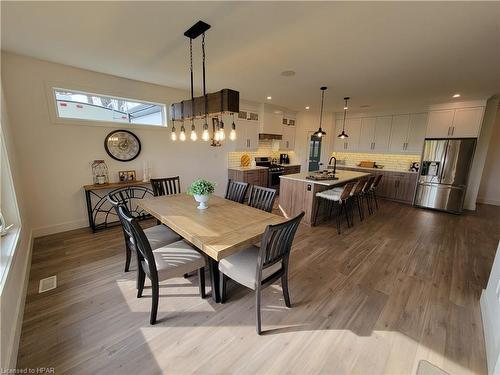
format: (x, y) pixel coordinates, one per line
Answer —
(158, 235)
(166, 262)
(236, 191)
(257, 268)
(166, 185)
(340, 200)
(262, 198)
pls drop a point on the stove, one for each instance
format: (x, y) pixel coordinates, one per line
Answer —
(275, 170)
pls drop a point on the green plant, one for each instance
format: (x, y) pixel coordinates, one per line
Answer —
(201, 187)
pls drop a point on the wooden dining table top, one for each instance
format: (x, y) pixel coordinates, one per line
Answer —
(222, 229)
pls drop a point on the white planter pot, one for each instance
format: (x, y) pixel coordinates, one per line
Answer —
(202, 200)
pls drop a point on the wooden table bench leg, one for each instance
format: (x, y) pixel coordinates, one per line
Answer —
(214, 279)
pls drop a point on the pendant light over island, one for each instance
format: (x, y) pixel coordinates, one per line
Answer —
(320, 132)
(344, 135)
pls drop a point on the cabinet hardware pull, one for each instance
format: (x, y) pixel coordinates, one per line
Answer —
(449, 130)
(452, 130)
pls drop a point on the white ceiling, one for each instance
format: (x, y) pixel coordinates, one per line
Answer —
(381, 54)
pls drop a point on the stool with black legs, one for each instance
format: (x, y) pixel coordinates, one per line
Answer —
(367, 194)
(373, 189)
(338, 200)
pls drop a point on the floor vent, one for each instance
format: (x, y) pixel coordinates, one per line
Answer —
(46, 284)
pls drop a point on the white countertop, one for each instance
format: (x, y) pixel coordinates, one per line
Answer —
(374, 169)
(247, 168)
(343, 177)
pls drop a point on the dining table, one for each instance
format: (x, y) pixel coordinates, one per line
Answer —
(222, 229)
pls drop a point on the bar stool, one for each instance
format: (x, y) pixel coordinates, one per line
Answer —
(365, 193)
(356, 195)
(373, 189)
(340, 199)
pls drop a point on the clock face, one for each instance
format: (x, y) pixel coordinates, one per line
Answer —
(122, 145)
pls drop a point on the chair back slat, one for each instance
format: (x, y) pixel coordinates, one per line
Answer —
(346, 192)
(236, 191)
(142, 246)
(377, 181)
(262, 198)
(166, 186)
(117, 200)
(277, 241)
(368, 184)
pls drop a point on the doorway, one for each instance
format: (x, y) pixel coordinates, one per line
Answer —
(314, 152)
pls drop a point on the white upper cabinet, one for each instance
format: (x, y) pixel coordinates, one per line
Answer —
(408, 133)
(288, 141)
(353, 130)
(247, 135)
(416, 132)
(382, 133)
(455, 123)
(467, 122)
(367, 133)
(440, 123)
(399, 133)
(271, 122)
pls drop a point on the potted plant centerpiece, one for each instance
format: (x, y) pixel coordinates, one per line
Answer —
(201, 190)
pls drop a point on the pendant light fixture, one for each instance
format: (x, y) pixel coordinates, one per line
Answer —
(344, 134)
(232, 134)
(321, 133)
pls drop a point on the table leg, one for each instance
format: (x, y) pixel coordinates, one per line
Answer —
(89, 210)
(214, 279)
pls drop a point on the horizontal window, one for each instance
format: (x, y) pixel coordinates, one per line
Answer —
(81, 105)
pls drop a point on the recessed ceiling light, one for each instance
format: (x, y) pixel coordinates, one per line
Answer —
(308, 107)
(456, 96)
(288, 73)
(269, 97)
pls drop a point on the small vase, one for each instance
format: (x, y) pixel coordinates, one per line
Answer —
(202, 200)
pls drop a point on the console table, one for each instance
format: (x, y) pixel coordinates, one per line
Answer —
(100, 212)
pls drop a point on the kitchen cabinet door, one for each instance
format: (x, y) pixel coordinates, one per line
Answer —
(440, 123)
(241, 142)
(272, 123)
(467, 122)
(353, 130)
(367, 133)
(416, 133)
(399, 133)
(252, 135)
(382, 133)
(288, 141)
(339, 145)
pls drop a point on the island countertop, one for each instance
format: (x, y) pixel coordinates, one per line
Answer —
(343, 177)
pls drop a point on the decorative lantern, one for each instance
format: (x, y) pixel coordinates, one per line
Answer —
(100, 172)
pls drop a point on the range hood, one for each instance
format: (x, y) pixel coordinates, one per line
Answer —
(267, 136)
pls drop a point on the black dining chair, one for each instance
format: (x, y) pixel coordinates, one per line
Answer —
(262, 198)
(169, 261)
(166, 186)
(257, 268)
(158, 235)
(236, 191)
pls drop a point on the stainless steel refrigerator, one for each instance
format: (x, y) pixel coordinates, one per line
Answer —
(444, 173)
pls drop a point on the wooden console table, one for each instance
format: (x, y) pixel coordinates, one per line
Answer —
(100, 212)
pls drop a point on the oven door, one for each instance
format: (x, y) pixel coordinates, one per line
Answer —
(274, 180)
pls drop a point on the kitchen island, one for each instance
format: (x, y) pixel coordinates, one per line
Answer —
(297, 193)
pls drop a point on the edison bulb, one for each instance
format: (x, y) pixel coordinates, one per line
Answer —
(217, 136)
(232, 135)
(222, 134)
(182, 135)
(173, 136)
(194, 136)
(205, 136)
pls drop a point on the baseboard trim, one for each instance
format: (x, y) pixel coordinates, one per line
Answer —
(488, 201)
(58, 228)
(13, 348)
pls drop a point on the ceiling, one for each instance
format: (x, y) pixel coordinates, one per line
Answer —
(391, 54)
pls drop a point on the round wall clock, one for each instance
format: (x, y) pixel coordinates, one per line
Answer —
(122, 145)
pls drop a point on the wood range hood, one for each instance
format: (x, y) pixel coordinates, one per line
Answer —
(267, 136)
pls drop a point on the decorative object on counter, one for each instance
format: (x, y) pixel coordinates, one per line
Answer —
(4, 228)
(146, 170)
(122, 145)
(100, 172)
(320, 133)
(245, 160)
(216, 104)
(415, 166)
(367, 164)
(201, 190)
(126, 176)
(322, 176)
(344, 134)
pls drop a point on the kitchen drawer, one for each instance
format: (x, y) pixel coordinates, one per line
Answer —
(292, 170)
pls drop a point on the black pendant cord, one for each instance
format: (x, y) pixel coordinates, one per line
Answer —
(204, 82)
(321, 111)
(345, 113)
(192, 81)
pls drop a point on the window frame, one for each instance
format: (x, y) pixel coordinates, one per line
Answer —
(50, 88)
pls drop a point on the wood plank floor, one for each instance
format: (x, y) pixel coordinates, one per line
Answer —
(401, 287)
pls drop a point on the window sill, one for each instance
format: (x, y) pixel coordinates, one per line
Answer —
(8, 245)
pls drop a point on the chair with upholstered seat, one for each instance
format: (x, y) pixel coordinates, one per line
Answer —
(262, 198)
(339, 199)
(356, 195)
(257, 268)
(169, 261)
(158, 235)
(236, 191)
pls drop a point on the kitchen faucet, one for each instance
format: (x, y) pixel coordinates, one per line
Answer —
(334, 165)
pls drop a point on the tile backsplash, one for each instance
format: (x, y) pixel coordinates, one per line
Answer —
(396, 162)
(265, 149)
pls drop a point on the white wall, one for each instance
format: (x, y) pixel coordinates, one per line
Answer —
(54, 159)
(489, 190)
(13, 291)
